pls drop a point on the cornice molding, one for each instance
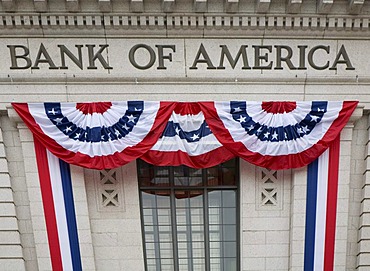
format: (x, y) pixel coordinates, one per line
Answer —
(197, 25)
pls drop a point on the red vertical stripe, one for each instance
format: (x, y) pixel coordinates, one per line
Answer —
(49, 211)
(331, 214)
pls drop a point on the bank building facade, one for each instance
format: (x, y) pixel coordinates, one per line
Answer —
(178, 135)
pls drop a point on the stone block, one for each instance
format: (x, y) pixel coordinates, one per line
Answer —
(8, 138)
(30, 165)
(268, 250)
(342, 219)
(365, 219)
(280, 263)
(108, 265)
(4, 180)
(363, 260)
(346, 135)
(44, 263)
(267, 224)
(299, 219)
(16, 169)
(105, 239)
(28, 150)
(8, 224)
(2, 151)
(297, 260)
(10, 251)
(364, 233)
(366, 192)
(299, 192)
(27, 240)
(12, 264)
(25, 135)
(362, 268)
(7, 209)
(87, 250)
(364, 246)
(83, 222)
(108, 253)
(9, 238)
(6, 195)
(254, 237)
(277, 237)
(249, 263)
(88, 264)
(135, 264)
(132, 252)
(3, 166)
(365, 201)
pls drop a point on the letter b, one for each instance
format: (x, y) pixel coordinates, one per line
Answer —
(14, 57)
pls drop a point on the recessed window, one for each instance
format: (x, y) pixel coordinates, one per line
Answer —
(190, 217)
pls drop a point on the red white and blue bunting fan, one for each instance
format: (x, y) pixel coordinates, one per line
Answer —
(97, 135)
(275, 135)
(187, 140)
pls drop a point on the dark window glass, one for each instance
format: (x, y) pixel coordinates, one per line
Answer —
(190, 217)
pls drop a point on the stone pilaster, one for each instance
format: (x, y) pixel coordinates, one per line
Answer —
(11, 254)
(363, 258)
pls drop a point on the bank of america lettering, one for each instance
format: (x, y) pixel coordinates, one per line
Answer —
(274, 135)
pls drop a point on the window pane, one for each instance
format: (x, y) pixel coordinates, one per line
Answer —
(230, 264)
(229, 232)
(147, 199)
(228, 198)
(214, 198)
(229, 249)
(164, 216)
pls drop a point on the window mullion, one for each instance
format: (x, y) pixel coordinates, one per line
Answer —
(189, 237)
(157, 249)
(174, 229)
(206, 231)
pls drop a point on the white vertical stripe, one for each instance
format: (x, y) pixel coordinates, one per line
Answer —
(60, 213)
(322, 192)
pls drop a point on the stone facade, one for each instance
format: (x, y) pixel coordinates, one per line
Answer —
(272, 204)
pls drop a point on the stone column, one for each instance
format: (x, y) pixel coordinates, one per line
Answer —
(363, 258)
(343, 229)
(11, 255)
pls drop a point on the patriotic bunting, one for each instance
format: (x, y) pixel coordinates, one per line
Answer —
(59, 210)
(275, 135)
(321, 210)
(187, 140)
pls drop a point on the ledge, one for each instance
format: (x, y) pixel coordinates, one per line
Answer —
(190, 24)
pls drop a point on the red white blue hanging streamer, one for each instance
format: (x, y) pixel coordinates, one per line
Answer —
(60, 215)
(321, 210)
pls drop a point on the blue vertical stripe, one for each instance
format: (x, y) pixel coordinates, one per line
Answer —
(309, 249)
(71, 215)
